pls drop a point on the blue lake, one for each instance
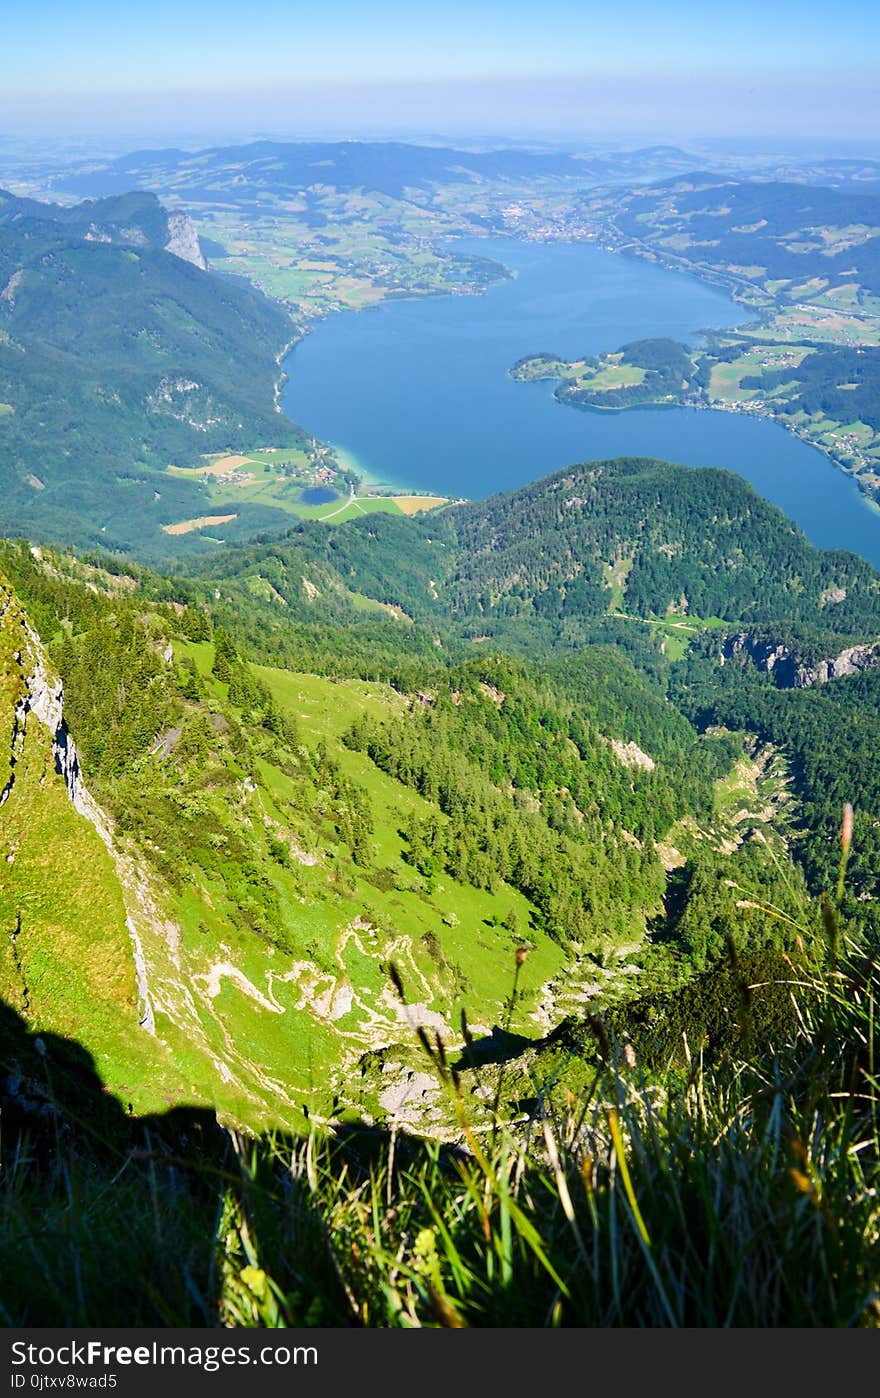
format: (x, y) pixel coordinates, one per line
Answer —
(418, 393)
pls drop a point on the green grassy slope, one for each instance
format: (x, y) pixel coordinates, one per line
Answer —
(265, 945)
(66, 960)
(281, 838)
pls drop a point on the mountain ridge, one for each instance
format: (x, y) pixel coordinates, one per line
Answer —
(387, 167)
(630, 536)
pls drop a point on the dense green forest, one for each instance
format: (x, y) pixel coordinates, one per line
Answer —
(671, 539)
(532, 796)
(695, 541)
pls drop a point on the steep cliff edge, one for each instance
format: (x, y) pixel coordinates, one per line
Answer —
(89, 942)
(87, 945)
(69, 953)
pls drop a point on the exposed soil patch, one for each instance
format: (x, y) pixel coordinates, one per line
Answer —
(186, 526)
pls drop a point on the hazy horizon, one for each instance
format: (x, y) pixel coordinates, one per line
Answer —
(486, 71)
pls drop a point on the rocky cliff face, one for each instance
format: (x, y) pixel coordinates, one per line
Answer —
(791, 672)
(183, 240)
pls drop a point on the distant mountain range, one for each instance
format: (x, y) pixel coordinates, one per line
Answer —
(386, 167)
(254, 169)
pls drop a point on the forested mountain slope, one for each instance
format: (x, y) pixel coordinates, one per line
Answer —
(634, 536)
(118, 356)
(274, 852)
(690, 541)
(595, 557)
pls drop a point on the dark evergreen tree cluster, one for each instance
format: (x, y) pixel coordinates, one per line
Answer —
(829, 735)
(700, 541)
(527, 790)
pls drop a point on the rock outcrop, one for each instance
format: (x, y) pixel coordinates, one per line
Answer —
(790, 671)
(183, 240)
(631, 755)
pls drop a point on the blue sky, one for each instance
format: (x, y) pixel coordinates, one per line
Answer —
(569, 68)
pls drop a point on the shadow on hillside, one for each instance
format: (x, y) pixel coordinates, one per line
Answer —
(107, 1218)
(51, 1095)
(501, 1046)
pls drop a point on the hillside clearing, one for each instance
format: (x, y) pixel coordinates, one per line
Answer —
(186, 526)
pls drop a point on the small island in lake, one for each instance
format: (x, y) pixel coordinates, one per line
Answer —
(645, 372)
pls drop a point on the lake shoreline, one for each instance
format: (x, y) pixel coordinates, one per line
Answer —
(428, 406)
(368, 477)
